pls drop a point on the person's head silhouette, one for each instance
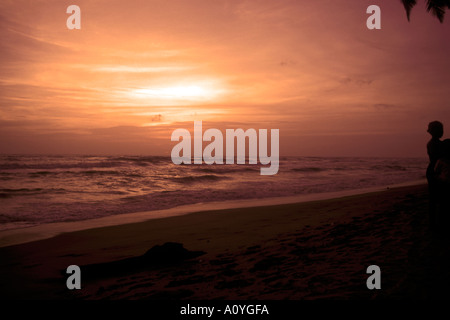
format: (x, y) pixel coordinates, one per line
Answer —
(436, 129)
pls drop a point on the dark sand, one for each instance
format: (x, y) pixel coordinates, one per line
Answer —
(312, 250)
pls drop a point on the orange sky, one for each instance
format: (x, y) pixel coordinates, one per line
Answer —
(137, 70)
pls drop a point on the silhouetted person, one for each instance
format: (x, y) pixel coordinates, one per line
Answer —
(442, 175)
(436, 130)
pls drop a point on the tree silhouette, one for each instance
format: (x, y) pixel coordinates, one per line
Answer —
(436, 7)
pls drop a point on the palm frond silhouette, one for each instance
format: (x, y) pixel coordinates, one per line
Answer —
(436, 7)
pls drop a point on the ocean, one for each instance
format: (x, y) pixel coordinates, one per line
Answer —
(37, 189)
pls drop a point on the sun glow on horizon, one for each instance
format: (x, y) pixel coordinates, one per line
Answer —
(138, 69)
(176, 93)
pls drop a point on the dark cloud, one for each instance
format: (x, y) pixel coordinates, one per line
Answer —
(287, 63)
(157, 118)
(23, 123)
(358, 82)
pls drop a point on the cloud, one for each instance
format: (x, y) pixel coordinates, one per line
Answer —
(137, 69)
(20, 44)
(286, 63)
(307, 67)
(358, 81)
(157, 118)
(384, 106)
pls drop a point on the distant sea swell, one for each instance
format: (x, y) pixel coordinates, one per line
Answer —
(43, 189)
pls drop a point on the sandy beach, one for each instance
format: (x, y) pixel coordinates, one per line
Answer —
(310, 250)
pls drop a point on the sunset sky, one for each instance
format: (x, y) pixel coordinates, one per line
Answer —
(137, 70)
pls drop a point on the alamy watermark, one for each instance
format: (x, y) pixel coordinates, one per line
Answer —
(214, 151)
(74, 20)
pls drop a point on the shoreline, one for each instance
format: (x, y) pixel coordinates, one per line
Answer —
(18, 236)
(299, 251)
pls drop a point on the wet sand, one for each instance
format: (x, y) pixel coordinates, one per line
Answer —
(310, 250)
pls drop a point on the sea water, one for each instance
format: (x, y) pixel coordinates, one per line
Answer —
(37, 189)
